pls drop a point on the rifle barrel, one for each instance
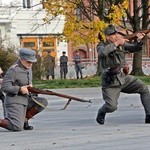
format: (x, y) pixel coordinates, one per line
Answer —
(47, 92)
(132, 36)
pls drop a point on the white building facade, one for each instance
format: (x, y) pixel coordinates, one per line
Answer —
(24, 27)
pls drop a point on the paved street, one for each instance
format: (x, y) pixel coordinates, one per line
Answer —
(76, 129)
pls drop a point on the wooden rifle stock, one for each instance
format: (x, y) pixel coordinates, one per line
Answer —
(133, 36)
(48, 92)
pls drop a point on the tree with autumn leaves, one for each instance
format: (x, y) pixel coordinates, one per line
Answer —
(85, 19)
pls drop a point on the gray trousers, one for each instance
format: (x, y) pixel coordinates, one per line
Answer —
(132, 85)
(78, 70)
(63, 71)
(16, 113)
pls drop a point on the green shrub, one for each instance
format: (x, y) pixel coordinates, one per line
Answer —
(7, 58)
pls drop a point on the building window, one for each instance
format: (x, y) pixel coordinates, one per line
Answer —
(48, 44)
(48, 50)
(29, 44)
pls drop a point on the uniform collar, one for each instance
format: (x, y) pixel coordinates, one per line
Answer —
(20, 65)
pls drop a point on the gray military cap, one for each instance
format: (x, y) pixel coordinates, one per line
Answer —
(110, 30)
(28, 54)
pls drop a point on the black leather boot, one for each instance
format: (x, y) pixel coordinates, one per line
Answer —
(27, 127)
(100, 118)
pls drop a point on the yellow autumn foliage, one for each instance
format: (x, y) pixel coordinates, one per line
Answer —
(118, 12)
(82, 31)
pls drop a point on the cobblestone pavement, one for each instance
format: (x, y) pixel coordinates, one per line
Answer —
(76, 129)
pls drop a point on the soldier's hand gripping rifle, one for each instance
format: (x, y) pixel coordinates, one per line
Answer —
(133, 36)
(48, 92)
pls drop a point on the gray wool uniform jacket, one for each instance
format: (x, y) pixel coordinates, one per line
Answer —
(15, 77)
(112, 56)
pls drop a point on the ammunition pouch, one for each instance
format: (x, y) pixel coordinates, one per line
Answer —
(111, 74)
(114, 71)
(109, 79)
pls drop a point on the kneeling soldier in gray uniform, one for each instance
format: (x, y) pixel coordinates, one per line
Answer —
(115, 78)
(19, 105)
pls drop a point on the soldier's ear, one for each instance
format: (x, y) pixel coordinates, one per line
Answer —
(107, 37)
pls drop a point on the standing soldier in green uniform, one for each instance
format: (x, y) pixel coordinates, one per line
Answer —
(63, 65)
(114, 79)
(19, 105)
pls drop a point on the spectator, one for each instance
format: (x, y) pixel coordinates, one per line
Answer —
(63, 65)
(78, 65)
(49, 65)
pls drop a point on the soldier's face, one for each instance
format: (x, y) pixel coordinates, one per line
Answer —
(112, 38)
(26, 64)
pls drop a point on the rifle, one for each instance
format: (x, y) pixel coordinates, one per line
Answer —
(133, 36)
(48, 92)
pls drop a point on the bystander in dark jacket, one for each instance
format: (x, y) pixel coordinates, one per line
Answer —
(63, 65)
(78, 65)
(49, 65)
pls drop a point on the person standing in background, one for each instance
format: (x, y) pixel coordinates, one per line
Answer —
(78, 65)
(49, 65)
(63, 65)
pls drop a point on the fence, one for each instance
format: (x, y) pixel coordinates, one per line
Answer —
(90, 68)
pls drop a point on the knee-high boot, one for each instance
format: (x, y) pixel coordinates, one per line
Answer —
(30, 113)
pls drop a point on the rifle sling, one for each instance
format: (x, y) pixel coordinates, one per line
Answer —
(40, 104)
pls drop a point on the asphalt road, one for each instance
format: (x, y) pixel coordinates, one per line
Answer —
(76, 129)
